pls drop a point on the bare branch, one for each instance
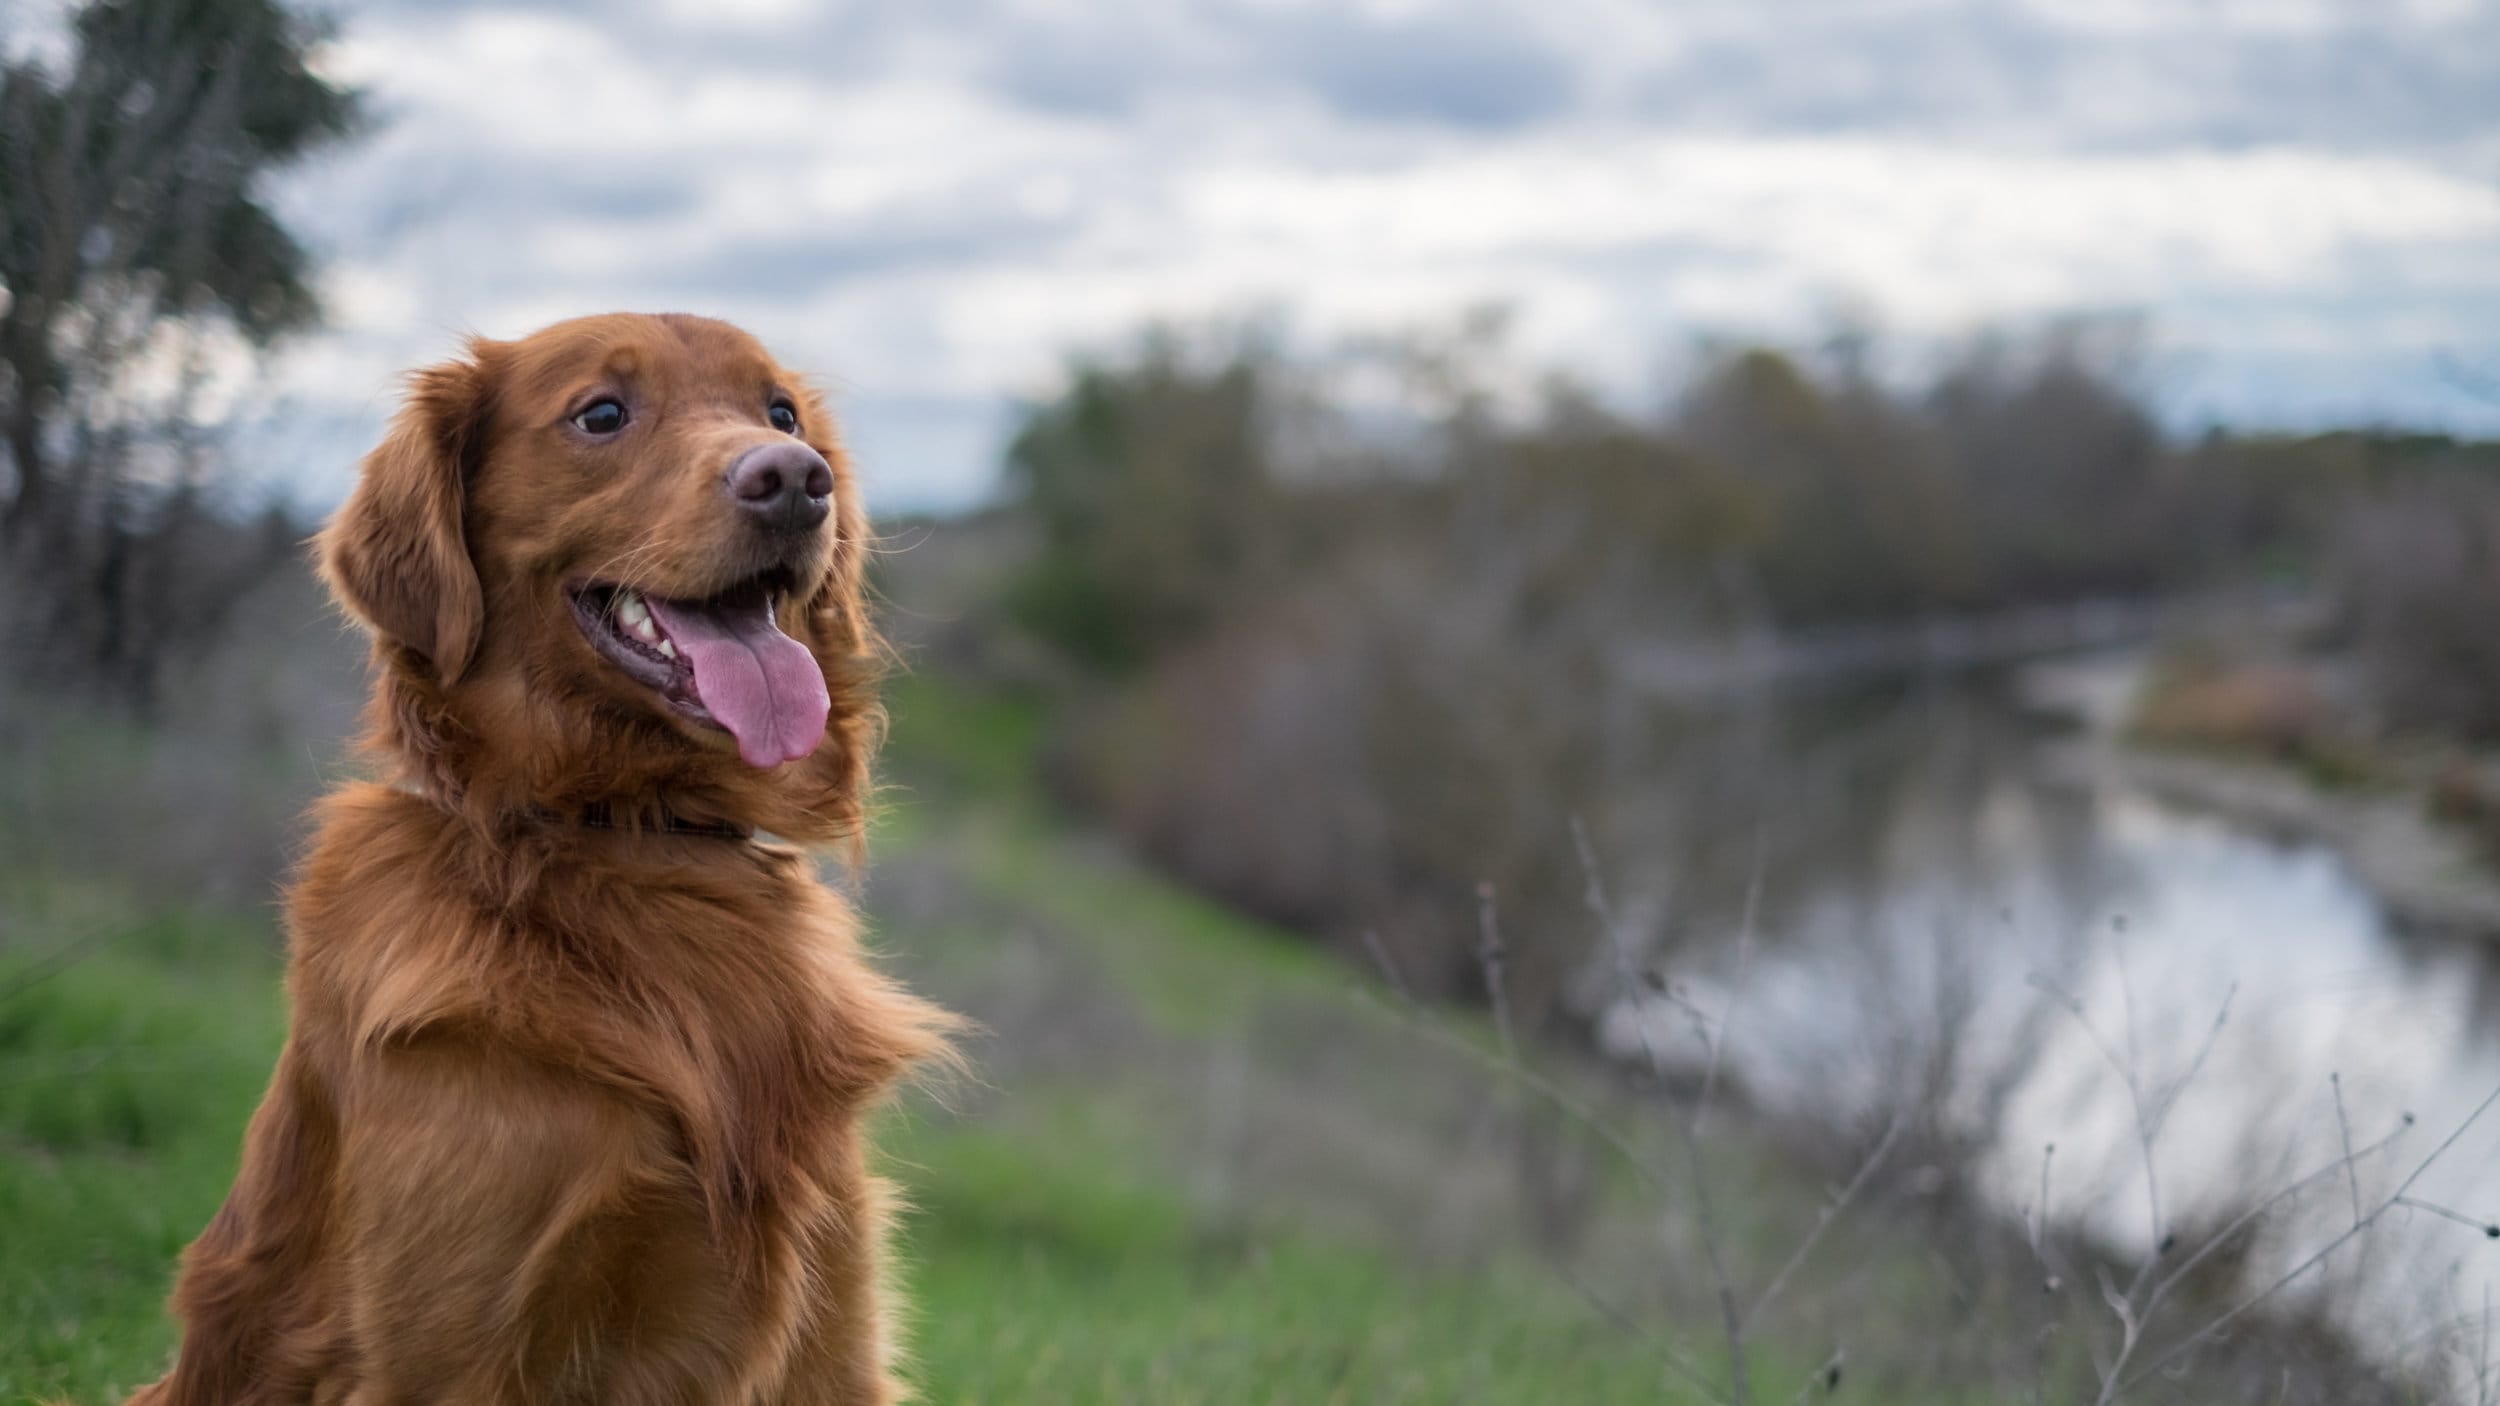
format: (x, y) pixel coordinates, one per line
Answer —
(1736, 984)
(2343, 1127)
(2252, 1301)
(1495, 960)
(1413, 1015)
(1826, 1376)
(1831, 1213)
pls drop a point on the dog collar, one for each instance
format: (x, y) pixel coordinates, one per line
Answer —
(599, 815)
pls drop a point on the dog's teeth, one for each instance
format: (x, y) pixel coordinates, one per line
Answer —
(645, 630)
(631, 610)
(668, 649)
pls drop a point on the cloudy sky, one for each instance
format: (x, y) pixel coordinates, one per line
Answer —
(932, 201)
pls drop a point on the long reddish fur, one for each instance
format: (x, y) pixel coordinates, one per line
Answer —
(565, 1114)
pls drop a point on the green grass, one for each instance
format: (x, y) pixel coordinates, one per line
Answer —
(965, 764)
(1048, 1265)
(974, 743)
(130, 1056)
(1051, 1254)
(1044, 1275)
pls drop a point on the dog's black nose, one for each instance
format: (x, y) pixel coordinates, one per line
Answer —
(785, 485)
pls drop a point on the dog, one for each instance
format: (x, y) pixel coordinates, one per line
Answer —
(571, 1104)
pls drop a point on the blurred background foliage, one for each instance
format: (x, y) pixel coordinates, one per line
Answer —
(136, 245)
(1336, 663)
(1467, 881)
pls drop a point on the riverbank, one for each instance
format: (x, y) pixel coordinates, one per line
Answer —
(2375, 808)
(1286, 1089)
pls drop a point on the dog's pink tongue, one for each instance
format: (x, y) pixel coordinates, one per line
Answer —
(756, 681)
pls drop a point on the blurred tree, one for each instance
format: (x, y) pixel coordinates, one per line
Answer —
(2416, 582)
(2062, 463)
(1387, 648)
(1150, 484)
(138, 251)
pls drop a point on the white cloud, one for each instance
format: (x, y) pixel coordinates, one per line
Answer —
(932, 202)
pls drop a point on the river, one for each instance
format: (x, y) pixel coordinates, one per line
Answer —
(1953, 917)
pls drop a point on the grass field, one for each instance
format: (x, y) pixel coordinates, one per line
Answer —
(131, 1051)
(1048, 1266)
(1077, 1236)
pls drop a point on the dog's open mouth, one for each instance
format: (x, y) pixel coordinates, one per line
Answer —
(722, 661)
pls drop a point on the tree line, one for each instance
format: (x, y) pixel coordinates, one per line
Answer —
(1344, 656)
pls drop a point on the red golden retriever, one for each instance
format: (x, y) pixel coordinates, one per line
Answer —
(570, 1107)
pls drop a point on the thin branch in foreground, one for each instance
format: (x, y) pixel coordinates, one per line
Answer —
(1745, 931)
(63, 957)
(1495, 959)
(1849, 1193)
(1627, 976)
(2037, 1224)
(2114, 1383)
(1410, 1012)
(1388, 969)
(2252, 1214)
(2130, 1307)
(2343, 1126)
(1826, 1376)
(2320, 1257)
(1686, 1124)
(1510, 1066)
(1678, 1363)
(2488, 1230)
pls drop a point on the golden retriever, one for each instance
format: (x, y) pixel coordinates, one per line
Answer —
(570, 1107)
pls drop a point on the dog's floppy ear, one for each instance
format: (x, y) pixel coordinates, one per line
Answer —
(396, 555)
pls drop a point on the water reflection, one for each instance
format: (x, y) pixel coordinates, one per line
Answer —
(1959, 928)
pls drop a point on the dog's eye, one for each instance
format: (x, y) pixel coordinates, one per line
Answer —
(601, 417)
(784, 418)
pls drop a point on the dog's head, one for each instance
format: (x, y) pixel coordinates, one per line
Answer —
(617, 562)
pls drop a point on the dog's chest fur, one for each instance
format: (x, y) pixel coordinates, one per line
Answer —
(702, 1003)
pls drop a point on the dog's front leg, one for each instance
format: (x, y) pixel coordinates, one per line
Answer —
(254, 1292)
(476, 1182)
(848, 1346)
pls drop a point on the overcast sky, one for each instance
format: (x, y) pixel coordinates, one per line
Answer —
(930, 202)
